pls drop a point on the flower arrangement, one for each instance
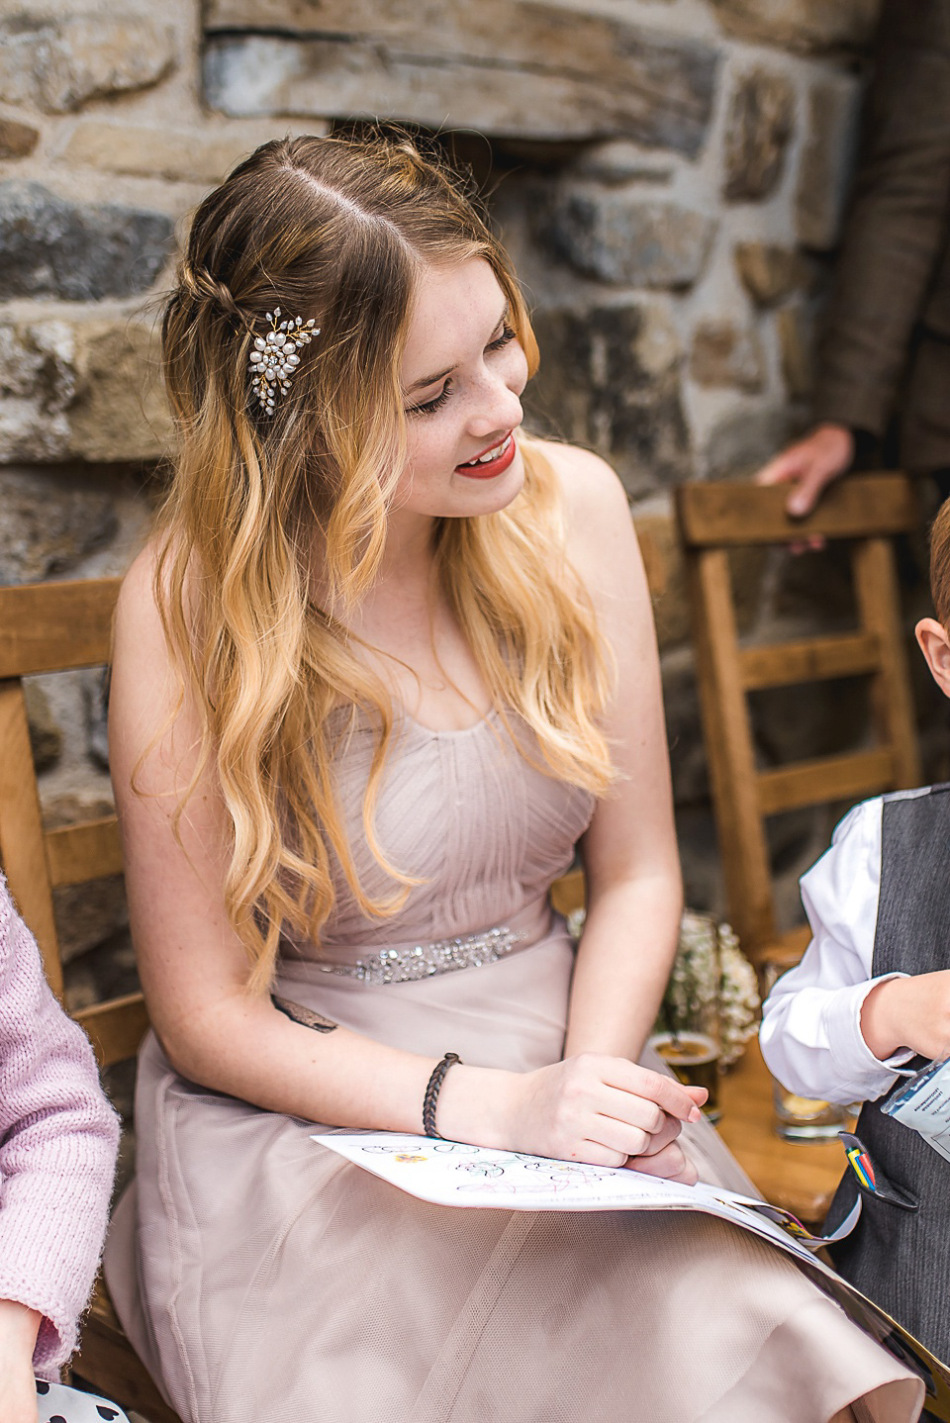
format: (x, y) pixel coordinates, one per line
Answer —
(712, 986)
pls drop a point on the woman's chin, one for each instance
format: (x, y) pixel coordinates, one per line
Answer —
(486, 495)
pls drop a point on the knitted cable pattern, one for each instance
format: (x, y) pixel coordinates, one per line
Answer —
(58, 1142)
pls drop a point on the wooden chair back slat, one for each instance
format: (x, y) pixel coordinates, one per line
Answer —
(722, 515)
(22, 846)
(892, 708)
(46, 627)
(49, 627)
(115, 1028)
(852, 776)
(812, 659)
(89, 850)
(866, 511)
(729, 749)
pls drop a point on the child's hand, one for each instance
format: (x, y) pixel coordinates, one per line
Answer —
(19, 1327)
(909, 1013)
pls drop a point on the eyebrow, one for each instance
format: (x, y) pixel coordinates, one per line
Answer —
(440, 375)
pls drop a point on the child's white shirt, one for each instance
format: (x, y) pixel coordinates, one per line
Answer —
(811, 1029)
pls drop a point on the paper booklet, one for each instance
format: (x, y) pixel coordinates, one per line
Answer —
(450, 1173)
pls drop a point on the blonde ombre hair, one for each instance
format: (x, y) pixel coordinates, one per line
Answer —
(338, 229)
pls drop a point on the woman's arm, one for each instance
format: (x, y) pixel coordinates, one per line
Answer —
(194, 968)
(631, 865)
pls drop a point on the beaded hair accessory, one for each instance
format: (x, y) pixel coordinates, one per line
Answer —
(274, 358)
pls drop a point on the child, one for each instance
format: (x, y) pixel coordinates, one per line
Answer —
(869, 1001)
(58, 1139)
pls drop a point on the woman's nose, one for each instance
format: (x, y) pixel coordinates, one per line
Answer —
(497, 407)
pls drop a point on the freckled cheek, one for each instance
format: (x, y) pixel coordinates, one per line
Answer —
(425, 454)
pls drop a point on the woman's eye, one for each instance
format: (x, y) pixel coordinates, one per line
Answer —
(431, 406)
(507, 334)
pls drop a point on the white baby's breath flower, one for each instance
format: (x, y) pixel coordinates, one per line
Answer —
(712, 986)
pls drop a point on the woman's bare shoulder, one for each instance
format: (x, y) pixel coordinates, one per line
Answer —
(137, 594)
(138, 623)
(589, 484)
(600, 534)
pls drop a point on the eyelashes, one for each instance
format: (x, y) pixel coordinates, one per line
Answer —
(431, 406)
(507, 334)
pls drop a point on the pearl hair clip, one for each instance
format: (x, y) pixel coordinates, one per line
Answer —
(274, 358)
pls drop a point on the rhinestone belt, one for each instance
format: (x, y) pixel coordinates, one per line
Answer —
(425, 960)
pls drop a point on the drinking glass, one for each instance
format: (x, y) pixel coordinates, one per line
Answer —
(694, 1058)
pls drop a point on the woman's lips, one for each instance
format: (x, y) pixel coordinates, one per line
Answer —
(488, 468)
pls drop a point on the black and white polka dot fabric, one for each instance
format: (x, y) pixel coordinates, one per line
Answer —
(55, 1403)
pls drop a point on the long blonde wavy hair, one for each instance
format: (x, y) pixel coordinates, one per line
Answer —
(337, 229)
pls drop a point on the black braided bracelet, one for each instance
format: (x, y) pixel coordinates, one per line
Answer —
(433, 1089)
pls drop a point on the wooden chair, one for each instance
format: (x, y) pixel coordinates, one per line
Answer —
(867, 512)
(714, 519)
(55, 627)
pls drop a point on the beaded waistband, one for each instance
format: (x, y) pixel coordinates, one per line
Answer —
(406, 965)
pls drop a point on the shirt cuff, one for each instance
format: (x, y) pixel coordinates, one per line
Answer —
(854, 1061)
(857, 407)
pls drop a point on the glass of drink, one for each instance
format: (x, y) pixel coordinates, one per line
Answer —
(801, 1118)
(807, 1118)
(694, 1058)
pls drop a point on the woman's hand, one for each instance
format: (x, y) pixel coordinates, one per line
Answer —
(597, 1109)
(669, 1162)
(19, 1327)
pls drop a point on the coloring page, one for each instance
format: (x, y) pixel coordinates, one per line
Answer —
(450, 1173)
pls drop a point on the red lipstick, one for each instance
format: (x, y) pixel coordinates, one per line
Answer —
(488, 469)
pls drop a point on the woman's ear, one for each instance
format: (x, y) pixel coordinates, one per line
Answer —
(934, 643)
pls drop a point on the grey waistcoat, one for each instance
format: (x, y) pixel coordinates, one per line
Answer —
(901, 1258)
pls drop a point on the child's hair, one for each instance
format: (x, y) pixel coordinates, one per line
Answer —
(339, 230)
(940, 564)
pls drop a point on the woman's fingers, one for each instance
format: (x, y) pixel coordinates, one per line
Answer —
(672, 1096)
(672, 1164)
(654, 1131)
(660, 1140)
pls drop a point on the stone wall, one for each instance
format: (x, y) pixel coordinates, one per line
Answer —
(669, 175)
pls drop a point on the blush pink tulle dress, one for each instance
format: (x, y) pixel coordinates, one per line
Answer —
(264, 1279)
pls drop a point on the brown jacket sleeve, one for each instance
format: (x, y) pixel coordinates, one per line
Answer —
(898, 220)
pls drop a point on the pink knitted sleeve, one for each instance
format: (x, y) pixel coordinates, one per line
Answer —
(58, 1138)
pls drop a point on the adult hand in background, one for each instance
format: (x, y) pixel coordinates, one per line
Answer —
(809, 466)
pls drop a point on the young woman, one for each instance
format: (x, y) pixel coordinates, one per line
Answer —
(384, 663)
